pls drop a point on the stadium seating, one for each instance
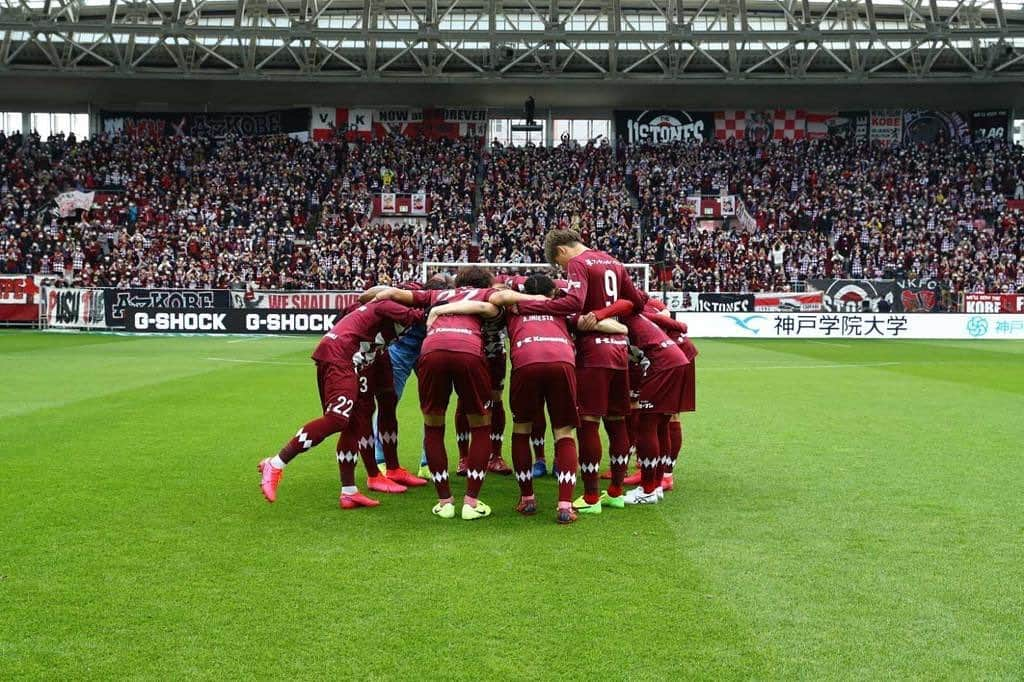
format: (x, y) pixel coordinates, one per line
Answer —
(289, 214)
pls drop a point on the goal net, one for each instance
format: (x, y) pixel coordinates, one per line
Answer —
(640, 273)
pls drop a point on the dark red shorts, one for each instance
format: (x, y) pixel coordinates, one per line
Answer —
(602, 392)
(380, 375)
(497, 367)
(553, 383)
(441, 371)
(339, 389)
(690, 387)
(663, 392)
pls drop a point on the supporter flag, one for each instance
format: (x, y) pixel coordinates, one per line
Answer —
(789, 124)
(355, 123)
(730, 125)
(325, 120)
(818, 123)
(419, 203)
(360, 123)
(69, 202)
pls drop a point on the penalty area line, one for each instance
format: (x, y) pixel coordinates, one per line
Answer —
(258, 362)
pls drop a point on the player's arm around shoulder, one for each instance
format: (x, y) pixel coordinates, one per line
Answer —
(371, 293)
(508, 297)
(479, 308)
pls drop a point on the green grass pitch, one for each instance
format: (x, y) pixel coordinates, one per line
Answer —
(845, 510)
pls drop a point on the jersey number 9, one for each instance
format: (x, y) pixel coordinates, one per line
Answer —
(611, 287)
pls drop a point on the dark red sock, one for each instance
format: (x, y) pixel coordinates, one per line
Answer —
(348, 455)
(522, 463)
(479, 455)
(647, 452)
(618, 453)
(497, 428)
(590, 461)
(437, 459)
(363, 428)
(537, 436)
(387, 428)
(310, 435)
(566, 461)
(675, 438)
(462, 434)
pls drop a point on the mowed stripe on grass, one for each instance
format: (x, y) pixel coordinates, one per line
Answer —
(828, 523)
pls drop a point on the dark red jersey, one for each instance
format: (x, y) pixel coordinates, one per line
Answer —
(594, 349)
(677, 331)
(539, 338)
(596, 280)
(459, 333)
(650, 347)
(365, 329)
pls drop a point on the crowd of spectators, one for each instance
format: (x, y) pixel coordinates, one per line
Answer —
(276, 212)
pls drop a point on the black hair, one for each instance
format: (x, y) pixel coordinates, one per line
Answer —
(539, 284)
(436, 283)
(474, 276)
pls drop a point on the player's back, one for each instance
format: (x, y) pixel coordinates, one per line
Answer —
(458, 333)
(605, 276)
(363, 330)
(653, 343)
(539, 338)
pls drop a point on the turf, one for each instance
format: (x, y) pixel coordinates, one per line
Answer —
(845, 510)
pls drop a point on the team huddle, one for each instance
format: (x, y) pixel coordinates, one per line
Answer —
(590, 349)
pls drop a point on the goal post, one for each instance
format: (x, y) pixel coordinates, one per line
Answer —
(640, 273)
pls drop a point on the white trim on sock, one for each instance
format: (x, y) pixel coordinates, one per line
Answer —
(277, 462)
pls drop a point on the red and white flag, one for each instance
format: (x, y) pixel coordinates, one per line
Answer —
(730, 125)
(789, 124)
(817, 123)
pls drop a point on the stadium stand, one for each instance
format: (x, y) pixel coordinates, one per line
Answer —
(288, 214)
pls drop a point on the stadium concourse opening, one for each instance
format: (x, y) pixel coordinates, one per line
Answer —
(445, 272)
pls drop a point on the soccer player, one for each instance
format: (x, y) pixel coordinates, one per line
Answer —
(452, 356)
(537, 436)
(543, 372)
(494, 335)
(403, 354)
(595, 281)
(349, 347)
(658, 313)
(661, 394)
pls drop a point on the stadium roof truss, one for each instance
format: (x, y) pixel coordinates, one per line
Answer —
(467, 40)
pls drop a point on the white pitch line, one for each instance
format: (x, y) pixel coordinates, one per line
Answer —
(259, 362)
(248, 338)
(836, 366)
